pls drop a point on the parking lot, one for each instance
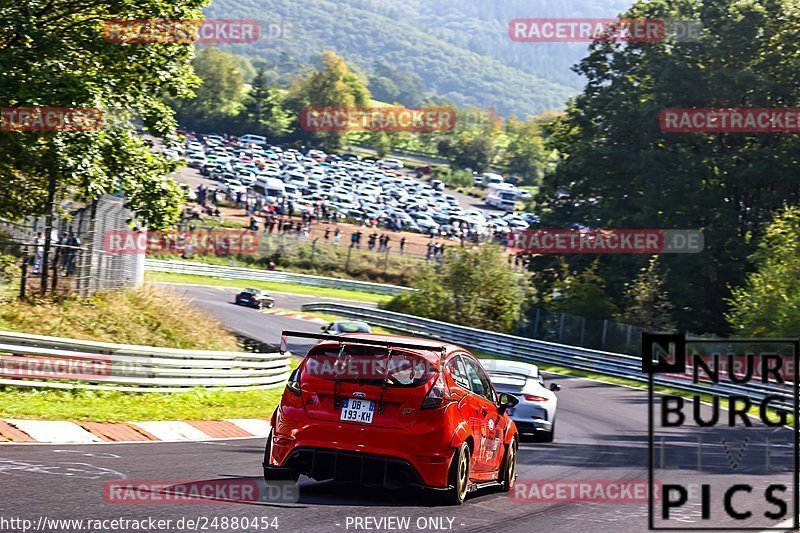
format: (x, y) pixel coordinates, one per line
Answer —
(261, 184)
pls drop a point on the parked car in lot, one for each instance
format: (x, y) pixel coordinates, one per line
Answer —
(390, 163)
(535, 415)
(360, 189)
(342, 327)
(395, 412)
(255, 298)
(259, 140)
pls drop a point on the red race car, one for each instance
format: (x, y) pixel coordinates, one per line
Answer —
(395, 412)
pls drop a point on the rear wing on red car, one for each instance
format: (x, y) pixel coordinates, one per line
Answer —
(357, 341)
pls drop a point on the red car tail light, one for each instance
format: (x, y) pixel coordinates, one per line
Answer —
(534, 398)
(293, 385)
(436, 396)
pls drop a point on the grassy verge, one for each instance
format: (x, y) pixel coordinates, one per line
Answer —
(102, 406)
(148, 316)
(267, 286)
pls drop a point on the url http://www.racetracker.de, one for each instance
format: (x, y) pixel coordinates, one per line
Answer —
(184, 523)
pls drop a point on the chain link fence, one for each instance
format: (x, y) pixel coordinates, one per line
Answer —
(76, 261)
(597, 334)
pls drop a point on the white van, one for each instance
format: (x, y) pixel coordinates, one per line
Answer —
(502, 195)
(487, 178)
(269, 187)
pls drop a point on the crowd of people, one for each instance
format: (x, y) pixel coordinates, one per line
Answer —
(65, 251)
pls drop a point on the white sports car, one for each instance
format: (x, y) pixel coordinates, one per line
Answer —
(536, 412)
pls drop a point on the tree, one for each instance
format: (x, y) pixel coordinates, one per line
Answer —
(647, 304)
(333, 86)
(768, 304)
(581, 294)
(53, 54)
(381, 143)
(525, 155)
(619, 170)
(263, 108)
(475, 152)
(473, 287)
(220, 95)
(446, 149)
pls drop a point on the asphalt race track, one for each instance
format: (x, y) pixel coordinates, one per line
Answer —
(601, 435)
(218, 301)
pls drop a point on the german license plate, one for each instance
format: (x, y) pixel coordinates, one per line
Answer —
(357, 410)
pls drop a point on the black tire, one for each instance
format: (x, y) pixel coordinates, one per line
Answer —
(508, 471)
(458, 477)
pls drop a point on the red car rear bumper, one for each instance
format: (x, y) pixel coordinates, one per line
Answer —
(356, 450)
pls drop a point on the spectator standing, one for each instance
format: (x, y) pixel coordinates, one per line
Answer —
(70, 253)
(38, 253)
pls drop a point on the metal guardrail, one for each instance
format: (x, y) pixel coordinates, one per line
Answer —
(538, 352)
(252, 274)
(54, 362)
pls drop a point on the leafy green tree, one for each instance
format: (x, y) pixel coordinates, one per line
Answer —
(582, 294)
(220, 95)
(446, 149)
(525, 155)
(475, 152)
(263, 108)
(381, 143)
(618, 169)
(474, 287)
(647, 304)
(334, 86)
(53, 54)
(768, 304)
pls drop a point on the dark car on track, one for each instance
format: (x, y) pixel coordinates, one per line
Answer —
(346, 326)
(395, 412)
(255, 298)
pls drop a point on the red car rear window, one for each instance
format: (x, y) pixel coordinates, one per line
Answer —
(364, 363)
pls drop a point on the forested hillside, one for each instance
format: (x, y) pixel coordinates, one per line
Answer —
(459, 49)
